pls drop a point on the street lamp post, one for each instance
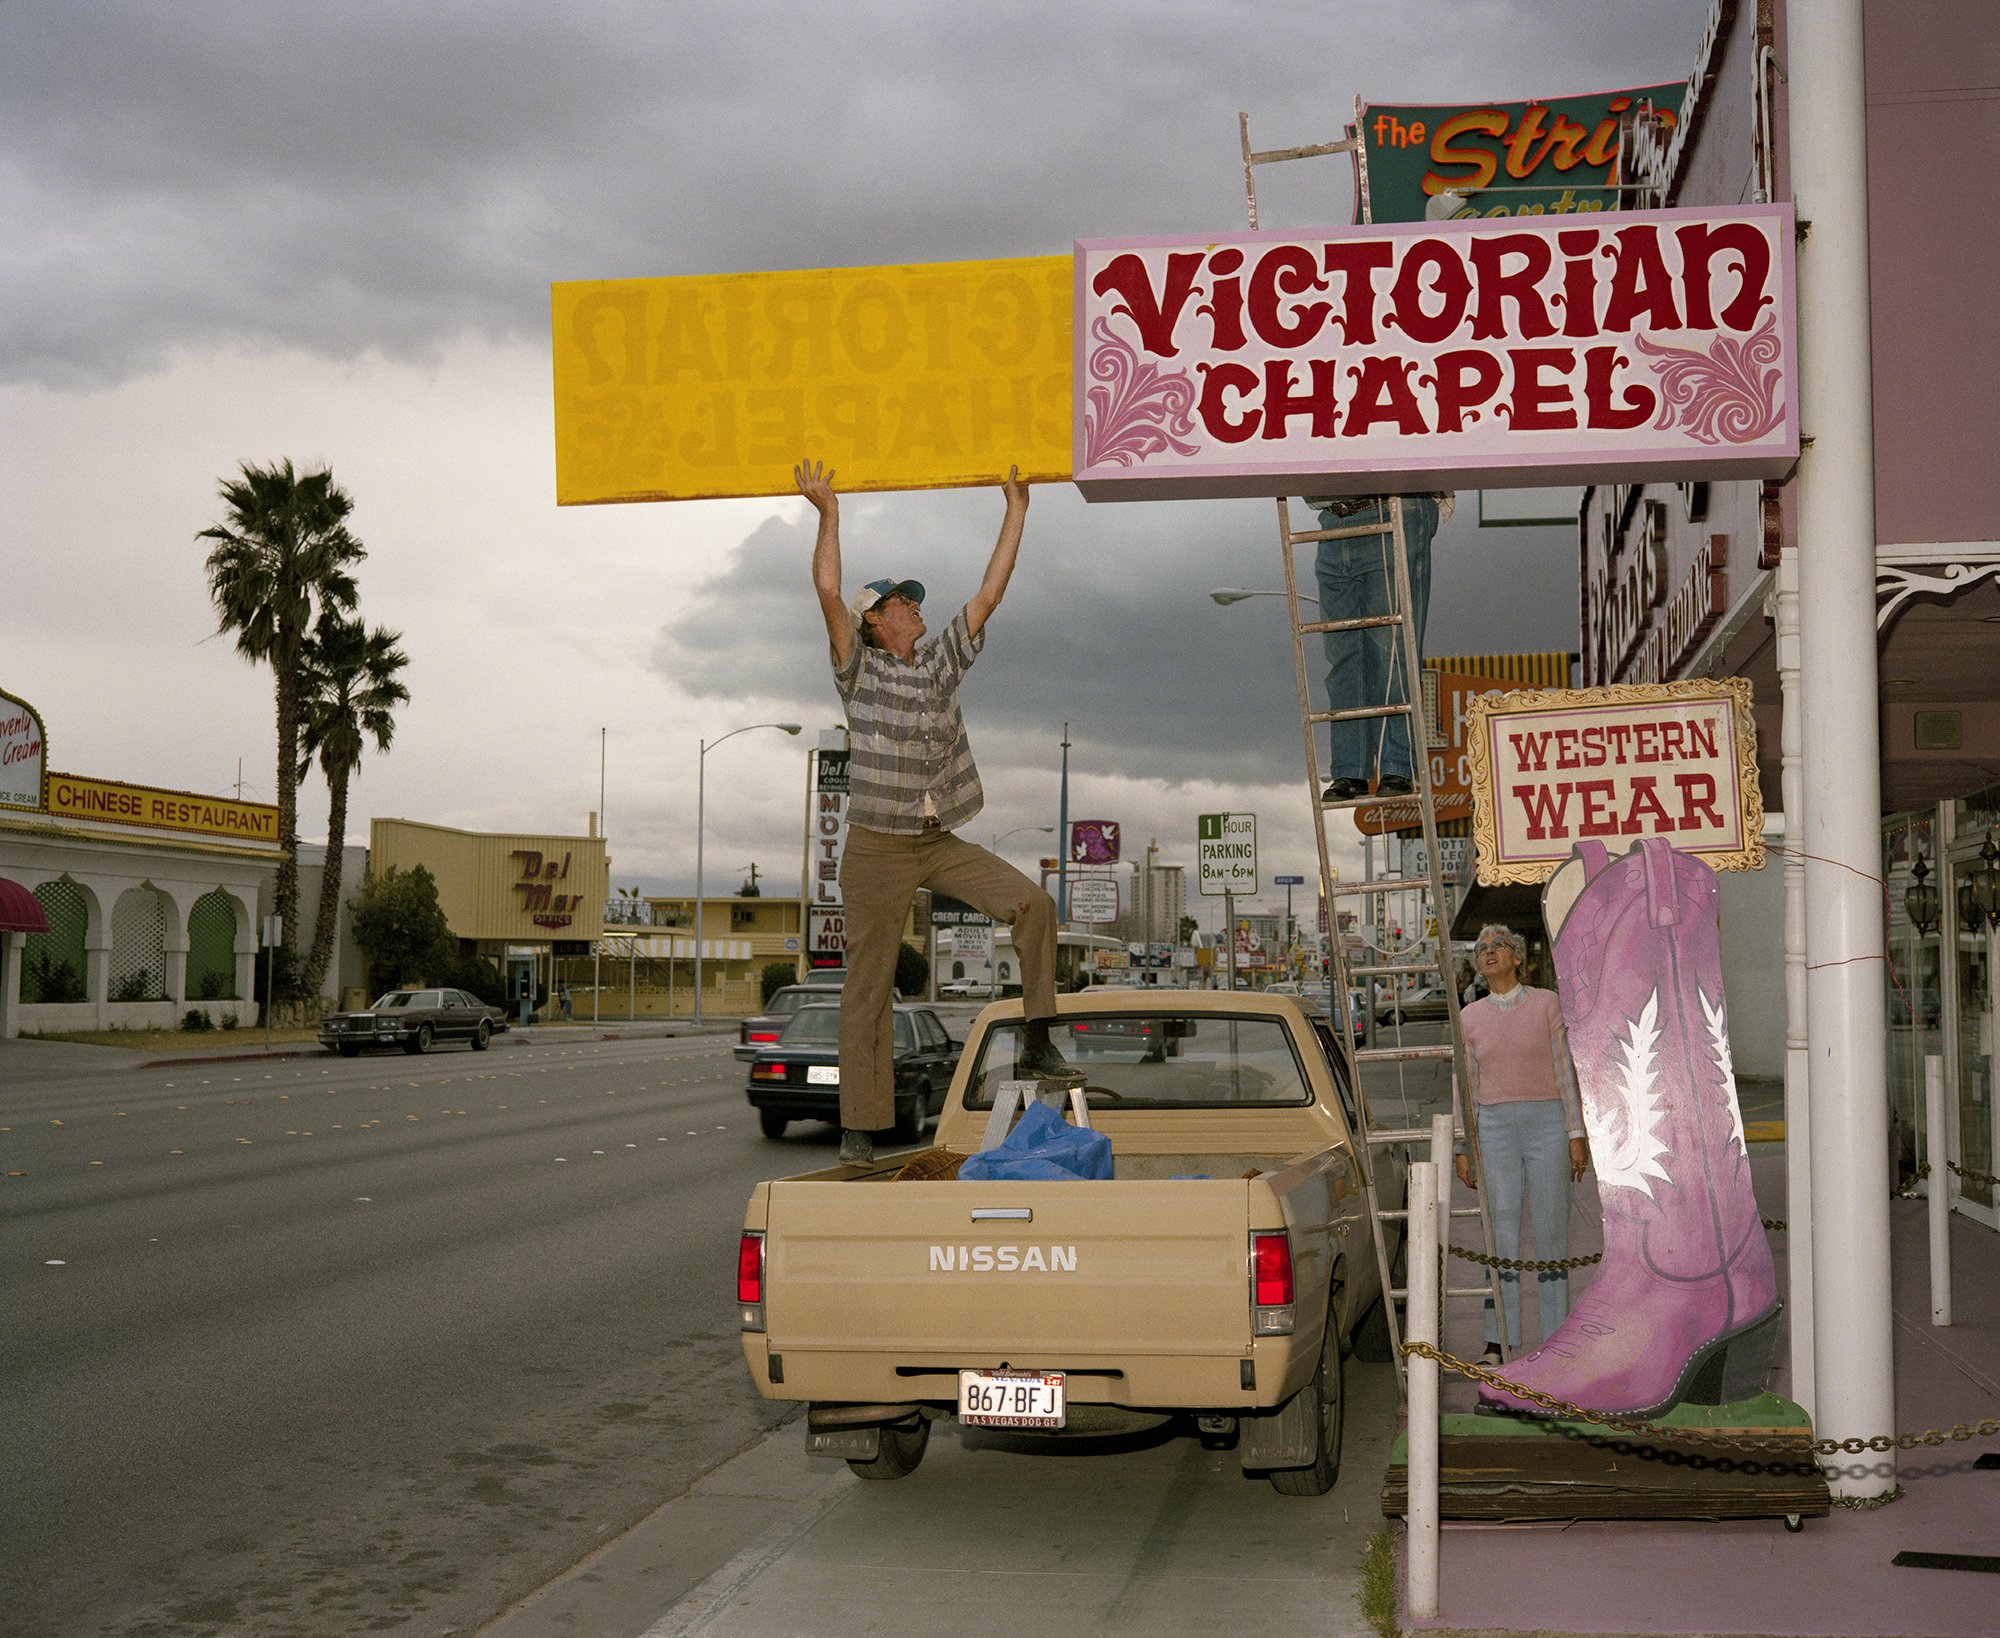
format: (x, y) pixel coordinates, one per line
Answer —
(700, 819)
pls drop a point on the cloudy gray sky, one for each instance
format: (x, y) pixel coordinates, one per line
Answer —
(258, 230)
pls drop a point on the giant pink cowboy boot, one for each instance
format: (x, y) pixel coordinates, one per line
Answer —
(1685, 1304)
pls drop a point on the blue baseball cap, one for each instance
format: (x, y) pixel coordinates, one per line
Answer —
(879, 591)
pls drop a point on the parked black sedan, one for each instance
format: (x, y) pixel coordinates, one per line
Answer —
(413, 1020)
(799, 1078)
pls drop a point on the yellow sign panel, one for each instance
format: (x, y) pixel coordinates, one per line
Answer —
(109, 802)
(922, 377)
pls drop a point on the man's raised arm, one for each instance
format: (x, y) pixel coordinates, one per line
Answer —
(816, 484)
(1000, 567)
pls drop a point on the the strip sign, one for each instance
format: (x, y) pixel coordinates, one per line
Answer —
(1556, 767)
(1226, 851)
(1527, 350)
(1554, 155)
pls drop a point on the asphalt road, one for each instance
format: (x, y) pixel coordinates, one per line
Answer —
(316, 1346)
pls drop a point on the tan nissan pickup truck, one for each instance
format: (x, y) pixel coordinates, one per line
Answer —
(1217, 1277)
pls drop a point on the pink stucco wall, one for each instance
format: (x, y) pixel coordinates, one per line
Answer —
(1934, 265)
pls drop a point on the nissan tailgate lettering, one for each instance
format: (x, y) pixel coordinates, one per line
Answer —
(1003, 1260)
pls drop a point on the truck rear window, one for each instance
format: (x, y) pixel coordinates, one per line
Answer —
(1138, 1060)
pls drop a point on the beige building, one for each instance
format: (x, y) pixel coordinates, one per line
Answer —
(525, 902)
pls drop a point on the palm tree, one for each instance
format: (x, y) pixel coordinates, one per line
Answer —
(281, 560)
(348, 693)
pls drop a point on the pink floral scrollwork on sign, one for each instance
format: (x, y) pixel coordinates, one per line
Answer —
(1139, 411)
(1728, 394)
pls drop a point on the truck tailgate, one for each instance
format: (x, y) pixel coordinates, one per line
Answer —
(927, 1272)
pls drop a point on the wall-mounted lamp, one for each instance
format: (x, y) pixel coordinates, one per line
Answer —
(1986, 879)
(1922, 899)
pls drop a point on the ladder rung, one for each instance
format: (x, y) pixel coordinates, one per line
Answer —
(1399, 1214)
(1361, 711)
(1443, 1049)
(1381, 884)
(1402, 1134)
(1401, 1293)
(1397, 967)
(1308, 627)
(1346, 531)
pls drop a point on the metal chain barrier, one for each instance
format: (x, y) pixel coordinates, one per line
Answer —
(1552, 1265)
(1737, 1441)
(1970, 1175)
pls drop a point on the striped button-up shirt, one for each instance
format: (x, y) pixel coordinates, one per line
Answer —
(911, 766)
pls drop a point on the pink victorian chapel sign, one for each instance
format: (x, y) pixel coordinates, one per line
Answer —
(1521, 350)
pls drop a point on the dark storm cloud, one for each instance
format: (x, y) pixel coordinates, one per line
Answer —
(381, 177)
(1107, 624)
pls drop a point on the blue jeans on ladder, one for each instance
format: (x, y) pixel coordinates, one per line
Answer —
(1524, 1151)
(1356, 577)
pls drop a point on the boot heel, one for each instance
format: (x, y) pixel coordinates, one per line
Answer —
(1746, 1367)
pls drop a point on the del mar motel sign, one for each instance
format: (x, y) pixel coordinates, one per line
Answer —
(1494, 352)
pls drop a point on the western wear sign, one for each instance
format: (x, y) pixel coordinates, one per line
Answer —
(1561, 766)
(1523, 350)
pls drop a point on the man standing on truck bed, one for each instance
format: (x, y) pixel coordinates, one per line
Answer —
(911, 783)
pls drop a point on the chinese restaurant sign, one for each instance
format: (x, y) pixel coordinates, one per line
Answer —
(1554, 156)
(918, 377)
(1529, 350)
(1554, 767)
(111, 802)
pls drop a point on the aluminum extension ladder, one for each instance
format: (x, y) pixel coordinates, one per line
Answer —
(1378, 1138)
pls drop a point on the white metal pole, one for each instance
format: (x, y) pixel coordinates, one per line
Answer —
(1441, 1153)
(1938, 1152)
(1839, 682)
(1798, 1078)
(700, 812)
(1422, 1444)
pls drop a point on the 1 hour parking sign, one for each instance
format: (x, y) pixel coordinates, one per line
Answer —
(1226, 848)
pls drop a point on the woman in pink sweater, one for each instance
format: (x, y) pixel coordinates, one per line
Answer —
(1531, 1143)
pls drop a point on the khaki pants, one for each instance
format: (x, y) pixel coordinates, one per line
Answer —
(879, 875)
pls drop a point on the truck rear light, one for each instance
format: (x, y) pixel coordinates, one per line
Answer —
(1272, 1290)
(767, 1072)
(750, 1280)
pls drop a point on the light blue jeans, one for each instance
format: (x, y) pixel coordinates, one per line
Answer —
(1524, 1152)
(1356, 578)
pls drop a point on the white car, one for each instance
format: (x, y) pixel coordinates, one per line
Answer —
(965, 989)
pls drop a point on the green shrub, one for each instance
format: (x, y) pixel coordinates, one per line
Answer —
(134, 987)
(196, 1021)
(913, 970)
(214, 985)
(230, 1020)
(43, 978)
(776, 975)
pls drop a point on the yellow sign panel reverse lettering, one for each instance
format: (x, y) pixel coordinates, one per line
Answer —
(921, 377)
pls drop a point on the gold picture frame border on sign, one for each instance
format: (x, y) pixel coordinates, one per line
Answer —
(1733, 692)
